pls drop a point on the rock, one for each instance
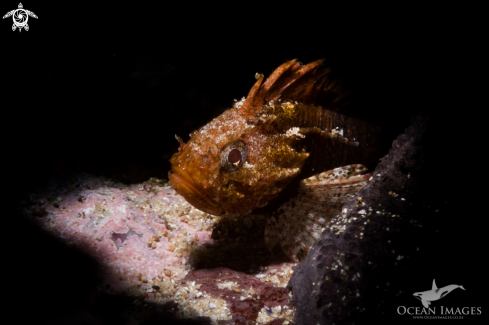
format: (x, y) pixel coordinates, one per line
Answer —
(362, 260)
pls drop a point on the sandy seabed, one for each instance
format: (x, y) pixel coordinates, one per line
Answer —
(153, 246)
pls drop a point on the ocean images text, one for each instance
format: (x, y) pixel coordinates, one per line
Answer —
(402, 310)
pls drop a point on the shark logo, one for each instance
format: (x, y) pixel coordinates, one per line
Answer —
(435, 293)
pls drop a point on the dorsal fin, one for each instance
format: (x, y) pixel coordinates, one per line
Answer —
(434, 287)
(247, 108)
(291, 81)
(297, 79)
(272, 80)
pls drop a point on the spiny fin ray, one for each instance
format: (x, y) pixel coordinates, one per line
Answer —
(291, 81)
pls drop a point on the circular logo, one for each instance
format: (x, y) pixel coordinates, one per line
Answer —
(20, 17)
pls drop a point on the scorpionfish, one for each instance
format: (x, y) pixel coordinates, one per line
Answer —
(285, 146)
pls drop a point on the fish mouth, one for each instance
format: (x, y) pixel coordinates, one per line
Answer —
(193, 194)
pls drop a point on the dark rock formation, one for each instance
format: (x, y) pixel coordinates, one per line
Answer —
(365, 263)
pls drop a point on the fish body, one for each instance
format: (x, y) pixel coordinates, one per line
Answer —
(284, 139)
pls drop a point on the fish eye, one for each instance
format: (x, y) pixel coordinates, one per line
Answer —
(233, 155)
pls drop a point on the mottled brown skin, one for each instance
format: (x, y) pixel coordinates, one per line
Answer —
(280, 132)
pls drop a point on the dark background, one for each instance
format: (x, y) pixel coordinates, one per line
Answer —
(103, 88)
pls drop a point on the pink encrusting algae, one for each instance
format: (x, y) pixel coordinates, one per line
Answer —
(148, 240)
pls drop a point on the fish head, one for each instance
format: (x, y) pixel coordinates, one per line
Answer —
(246, 156)
(234, 164)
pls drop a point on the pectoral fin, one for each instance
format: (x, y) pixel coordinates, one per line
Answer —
(298, 223)
(426, 303)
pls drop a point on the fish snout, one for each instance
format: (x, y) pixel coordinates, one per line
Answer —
(194, 194)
